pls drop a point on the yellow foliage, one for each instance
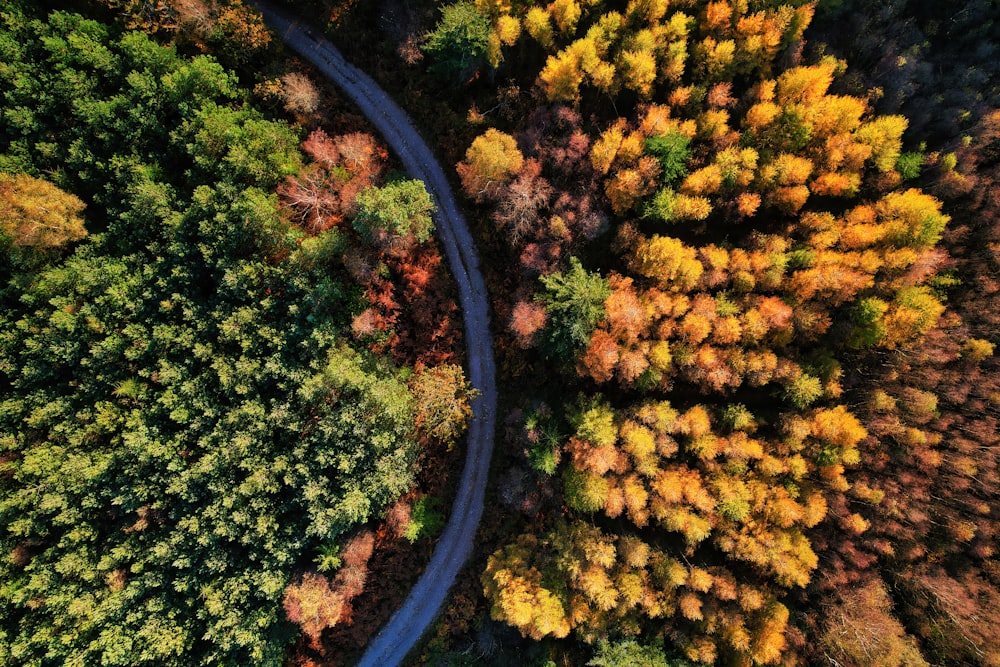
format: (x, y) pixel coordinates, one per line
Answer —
(539, 25)
(508, 29)
(912, 218)
(668, 261)
(716, 56)
(769, 639)
(566, 13)
(34, 213)
(634, 552)
(595, 583)
(636, 498)
(805, 85)
(637, 440)
(627, 186)
(630, 589)
(638, 69)
(695, 328)
(914, 311)
(632, 147)
(585, 491)
(492, 158)
(835, 184)
(747, 204)
(790, 199)
(515, 589)
(604, 150)
(977, 350)
(659, 356)
(597, 425)
(691, 208)
(713, 123)
(884, 135)
(787, 169)
(657, 121)
(715, 257)
(603, 76)
(695, 422)
(699, 580)
(727, 331)
(737, 166)
(704, 181)
(761, 115)
(680, 96)
(838, 427)
(561, 77)
(835, 115)
(647, 11)
(690, 606)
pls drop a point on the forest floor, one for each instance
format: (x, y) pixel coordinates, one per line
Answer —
(422, 605)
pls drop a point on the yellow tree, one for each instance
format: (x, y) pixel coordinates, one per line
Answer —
(36, 214)
(490, 162)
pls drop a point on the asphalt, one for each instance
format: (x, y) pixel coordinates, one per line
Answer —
(453, 549)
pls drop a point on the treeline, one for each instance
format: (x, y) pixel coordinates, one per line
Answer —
(783, 444)
(202, 399)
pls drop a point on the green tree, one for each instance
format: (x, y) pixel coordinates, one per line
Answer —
(574, 302)
(184, 420)
(672, 150)
(396, 216)
(630, 653)
(460, 42)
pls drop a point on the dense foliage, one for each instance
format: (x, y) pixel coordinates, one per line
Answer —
(770, 248)
(186, 419)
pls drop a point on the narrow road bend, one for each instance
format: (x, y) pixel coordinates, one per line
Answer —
(420, 608)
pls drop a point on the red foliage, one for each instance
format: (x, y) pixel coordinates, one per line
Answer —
(526, 321)
(415, 309)
(324, 192)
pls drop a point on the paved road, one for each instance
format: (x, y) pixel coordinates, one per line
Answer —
(422, 605)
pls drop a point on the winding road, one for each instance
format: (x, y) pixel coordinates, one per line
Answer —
(410, 621)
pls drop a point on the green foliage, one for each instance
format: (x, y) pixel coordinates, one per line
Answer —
(869, 328)
(426, 519)
(662, 206)
(327, 557)
(630, 653)
(396, 215)
(941, 283)
(908, 165)
(574, 302)
(461, 41)
(583, 491)
(673, 152)
(543, 440)
(804, 390)
(182, 420)
(736, 417)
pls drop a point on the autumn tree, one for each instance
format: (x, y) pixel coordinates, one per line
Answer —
(300, 94)
(36, 216)
(490, 162)
(443, 396)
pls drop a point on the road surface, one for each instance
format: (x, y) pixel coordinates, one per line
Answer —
(410, 621)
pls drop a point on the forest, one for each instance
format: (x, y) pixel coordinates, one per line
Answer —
(742, 262)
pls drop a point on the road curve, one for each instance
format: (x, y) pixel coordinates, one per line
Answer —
(410, 621)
